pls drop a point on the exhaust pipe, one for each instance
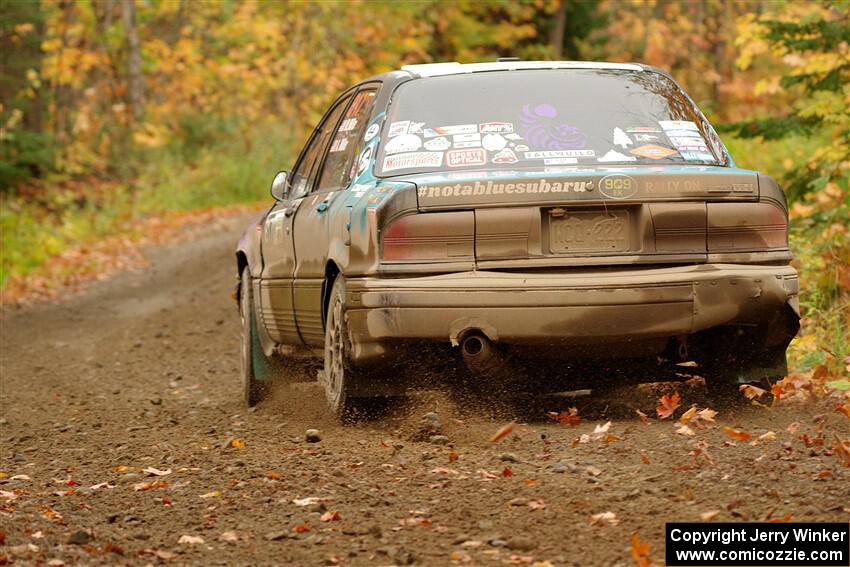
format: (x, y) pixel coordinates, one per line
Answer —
(481, 356)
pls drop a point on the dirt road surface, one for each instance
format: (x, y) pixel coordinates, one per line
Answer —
(123, 440)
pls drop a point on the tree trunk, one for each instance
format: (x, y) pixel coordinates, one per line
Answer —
(134, 59)
(556, 35)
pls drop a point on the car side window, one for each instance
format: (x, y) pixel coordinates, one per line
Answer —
(348, 142)
(306, 171)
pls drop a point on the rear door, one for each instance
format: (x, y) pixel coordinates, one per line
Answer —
(317, 214)
(279, 255)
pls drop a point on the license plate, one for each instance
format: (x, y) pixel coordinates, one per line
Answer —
(589, 231)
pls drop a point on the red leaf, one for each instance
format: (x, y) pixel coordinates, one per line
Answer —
(301, 528)
(507, 472)
(667, 405)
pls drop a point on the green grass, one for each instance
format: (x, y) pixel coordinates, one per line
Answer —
(231, 171)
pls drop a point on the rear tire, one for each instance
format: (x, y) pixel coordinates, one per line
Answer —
(339, 378)
(255, 367)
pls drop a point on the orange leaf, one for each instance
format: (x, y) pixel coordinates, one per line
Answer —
(738, 435)
(640, 551)
(237, 444)
(530, 481)
(642, 416)
(752, 392)
(841, 449)
(667, 405)
(503, 431)
(330, 516)
(301, 528)
(777, 391)
(644, 457)
(452, 457)
(273, 475)
(843, 408)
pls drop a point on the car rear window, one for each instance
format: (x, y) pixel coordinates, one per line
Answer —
(542, 118)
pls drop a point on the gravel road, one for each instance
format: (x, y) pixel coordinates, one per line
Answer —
(123, 441)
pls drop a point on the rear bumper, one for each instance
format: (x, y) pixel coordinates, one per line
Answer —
(575, 307)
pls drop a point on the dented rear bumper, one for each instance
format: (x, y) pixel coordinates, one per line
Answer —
(571, 307)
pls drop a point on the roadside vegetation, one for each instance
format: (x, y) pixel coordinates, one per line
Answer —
(116, 116)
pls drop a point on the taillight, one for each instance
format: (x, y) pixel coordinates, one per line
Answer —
(746, 227)
(446, 236)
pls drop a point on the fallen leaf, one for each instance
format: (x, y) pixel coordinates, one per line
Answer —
(792, 428)
(643, 417)
(738, 435)
(156, 472)
(503, 431)
(843, 408)
(604, 519)
(570, 416)
(640, 551)
(707, 415)
(685, 430)
(667, 405)
(486, 475)
(777, 391)
(301, 528)
(330, 516)
(306, 501)
(101, 485)
(443, 471)
(228, 537)
(213, 494)
(150, 485)
(237, 444)
(841, 450)
(710, 515)
(452, 456)
(751, 392)
(191, 540)
(644, 457)
(536, 504)
(688, 415)
(273, 475)
(515, 559)
(20, 477)
(507, 472)
(766, 437)
(530, 481)
(600, 429)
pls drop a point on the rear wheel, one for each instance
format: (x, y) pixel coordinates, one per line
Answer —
(339, 378)
(255, 367)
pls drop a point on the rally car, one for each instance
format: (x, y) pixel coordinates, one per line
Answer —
(543, 211)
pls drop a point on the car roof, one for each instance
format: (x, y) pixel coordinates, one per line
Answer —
(455, 68)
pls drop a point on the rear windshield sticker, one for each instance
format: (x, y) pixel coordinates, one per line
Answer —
(476, 137)
(415, 128)
(513, 136)
(472, 144)
(462, 158)
(438, 144)
(621, 138)
(496, 128)
(641, 137)
(543, 130)
(493, 142)
(678, 141)
(614, 155)
(505, 156)
(451, 130)
(398, 128)
(560, 153)
(560, 161)
(678, 125)
(698, 156)
(414, 159)
(403, 143)
(652, 151)
(371, 132)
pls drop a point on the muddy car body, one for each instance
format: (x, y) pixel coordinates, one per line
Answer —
(548, 211)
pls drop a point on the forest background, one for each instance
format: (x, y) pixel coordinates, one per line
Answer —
(122, 118)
